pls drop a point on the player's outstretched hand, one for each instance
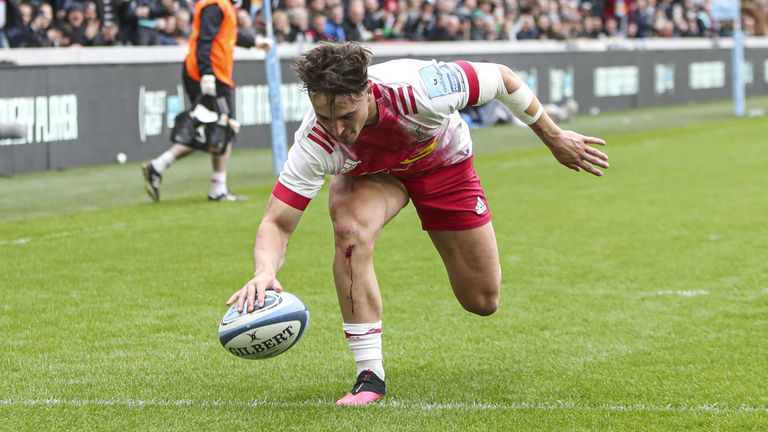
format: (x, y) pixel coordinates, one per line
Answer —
(264, 43)
(574, 151)
(254, 290)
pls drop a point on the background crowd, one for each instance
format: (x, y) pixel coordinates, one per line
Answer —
(71, 23)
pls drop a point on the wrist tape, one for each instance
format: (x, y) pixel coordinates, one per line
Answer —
(518, 101)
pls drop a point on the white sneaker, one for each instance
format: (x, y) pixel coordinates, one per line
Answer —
(227, 196)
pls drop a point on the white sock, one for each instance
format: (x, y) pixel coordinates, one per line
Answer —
(365, 342)
(218, 183)
(163, 162)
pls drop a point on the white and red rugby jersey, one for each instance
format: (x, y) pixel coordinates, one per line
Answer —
(419, 129)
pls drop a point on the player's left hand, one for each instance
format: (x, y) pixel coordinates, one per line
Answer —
(574, 151)
(264, 43)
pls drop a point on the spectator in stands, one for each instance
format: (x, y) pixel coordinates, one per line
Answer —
(543, 26)
(465, 9)
(393, 19)
(448, 28)
(60, 35)
(244, 21)
(334, 25)
(421, 26)
(477, 29)
(107, 35)
(25, 11)
(92, 23)
(374, 20)
(610, 28)
(183, 25)
(75, 18)
(353, 25)
(3, 15)
(144, 15)
(281, 26)
(300, 30)
(152, 22)
(556, 31)
(643, 17)
(317, 28)
(316, 7)
(527, 28)
(11, 25)
(705, 21)
(40, 25)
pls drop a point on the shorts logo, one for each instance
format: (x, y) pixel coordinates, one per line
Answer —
(480, 207)
(349, 165)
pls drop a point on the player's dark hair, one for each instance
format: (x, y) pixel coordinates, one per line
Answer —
(334, 69)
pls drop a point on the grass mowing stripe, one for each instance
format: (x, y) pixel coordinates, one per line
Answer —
(395, 404)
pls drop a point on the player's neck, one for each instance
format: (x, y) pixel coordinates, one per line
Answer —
(373, 113)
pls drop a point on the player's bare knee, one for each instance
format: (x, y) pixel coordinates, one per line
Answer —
(481, 302)
(348, 232)
(482, 306)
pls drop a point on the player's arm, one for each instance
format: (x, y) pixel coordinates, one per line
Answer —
(277, 225)
(302, 177)
(248, 40)
(210, 23)
(569, 148)
(496, 81)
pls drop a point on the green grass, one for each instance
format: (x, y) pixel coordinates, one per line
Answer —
(638, 301)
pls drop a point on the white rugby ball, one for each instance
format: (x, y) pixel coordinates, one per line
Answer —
(267, 331)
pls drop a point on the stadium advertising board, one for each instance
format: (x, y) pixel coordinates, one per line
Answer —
(84, 108)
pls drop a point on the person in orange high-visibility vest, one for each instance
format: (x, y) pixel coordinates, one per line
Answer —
(208, 83)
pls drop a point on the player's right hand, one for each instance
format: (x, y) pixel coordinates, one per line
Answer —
(254, 290)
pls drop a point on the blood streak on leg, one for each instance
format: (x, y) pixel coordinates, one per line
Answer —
(348, 255)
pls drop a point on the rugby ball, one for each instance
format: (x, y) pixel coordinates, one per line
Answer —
(267, 331)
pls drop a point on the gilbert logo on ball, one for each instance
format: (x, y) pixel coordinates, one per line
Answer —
(267, 331)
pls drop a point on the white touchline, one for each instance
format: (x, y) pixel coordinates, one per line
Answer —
(715, 408)
(62, 234)
(684, 293)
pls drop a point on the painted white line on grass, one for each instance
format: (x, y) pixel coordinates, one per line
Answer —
(61, 234)
(683, 293)
(714, 408)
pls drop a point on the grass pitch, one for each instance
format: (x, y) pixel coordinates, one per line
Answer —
(638, 301)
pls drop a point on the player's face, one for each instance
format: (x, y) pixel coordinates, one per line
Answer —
(345, 116)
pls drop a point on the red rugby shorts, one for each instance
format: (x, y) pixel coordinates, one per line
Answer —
(449, 198)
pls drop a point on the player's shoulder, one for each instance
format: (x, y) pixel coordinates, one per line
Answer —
(314, 138)
(431, 86)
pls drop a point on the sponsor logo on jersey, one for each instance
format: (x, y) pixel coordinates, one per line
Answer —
(416, 130)
(480, 207)
(440, 80)
(349, 165)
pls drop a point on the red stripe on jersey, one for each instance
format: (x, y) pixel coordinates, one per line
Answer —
(281, 192)
(322, 135)
(404, 104)
(413, 100)
(319, 142)
(317, 123)
(376, 91)
(474, 84)
(394, 101)
(372, 331)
